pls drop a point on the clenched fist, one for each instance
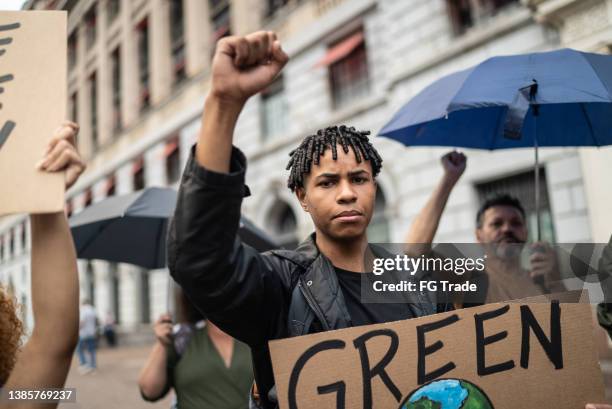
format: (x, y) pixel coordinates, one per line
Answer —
(454, 165)
(243, 66)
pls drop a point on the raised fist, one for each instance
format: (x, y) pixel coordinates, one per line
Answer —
(243, 66)
(454, 165)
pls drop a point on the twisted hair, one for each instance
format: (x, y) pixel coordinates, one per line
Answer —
(314, 146)
(11, 330)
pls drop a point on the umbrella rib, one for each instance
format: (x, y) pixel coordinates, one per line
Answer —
(588, 121)
(93, 237)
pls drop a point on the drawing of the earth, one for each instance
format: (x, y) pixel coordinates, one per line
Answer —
(447, 394)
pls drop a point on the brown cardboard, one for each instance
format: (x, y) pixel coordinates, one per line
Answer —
(540, 385)
(34, 99)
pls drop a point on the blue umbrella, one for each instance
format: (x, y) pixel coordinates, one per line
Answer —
(557, 98)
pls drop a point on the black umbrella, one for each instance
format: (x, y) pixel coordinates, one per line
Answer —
(132, 229)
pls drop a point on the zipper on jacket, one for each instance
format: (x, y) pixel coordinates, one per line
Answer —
(313, 304)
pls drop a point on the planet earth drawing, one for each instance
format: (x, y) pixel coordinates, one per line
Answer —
(447, 394)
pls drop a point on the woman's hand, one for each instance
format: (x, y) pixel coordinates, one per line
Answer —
(163, 329)
(61, 154)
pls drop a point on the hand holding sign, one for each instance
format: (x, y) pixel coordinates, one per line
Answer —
(61, 154)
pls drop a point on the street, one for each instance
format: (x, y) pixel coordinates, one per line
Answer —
(114, 383)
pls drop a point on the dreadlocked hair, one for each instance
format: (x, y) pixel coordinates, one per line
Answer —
(313, 147)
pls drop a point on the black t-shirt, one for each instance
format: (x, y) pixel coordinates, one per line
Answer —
(367, 313)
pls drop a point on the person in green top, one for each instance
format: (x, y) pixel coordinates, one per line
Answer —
(206, 367)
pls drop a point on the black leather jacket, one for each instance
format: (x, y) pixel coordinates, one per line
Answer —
(253, 297)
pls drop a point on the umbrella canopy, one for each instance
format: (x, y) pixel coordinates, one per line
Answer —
(556, 98)
(493, 105)
(132, 229)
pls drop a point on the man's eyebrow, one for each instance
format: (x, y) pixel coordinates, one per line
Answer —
(327, 175)
(358, 172)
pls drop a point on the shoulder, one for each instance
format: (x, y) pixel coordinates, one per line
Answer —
(289, 263)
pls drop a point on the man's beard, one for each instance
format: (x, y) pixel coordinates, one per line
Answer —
(508, 247)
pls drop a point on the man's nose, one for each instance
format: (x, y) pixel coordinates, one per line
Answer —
(346, 193)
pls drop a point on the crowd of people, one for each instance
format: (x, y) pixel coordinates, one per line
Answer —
(214, 353)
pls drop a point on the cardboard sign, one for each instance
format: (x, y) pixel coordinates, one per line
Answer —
(32, 106)
(511, 355)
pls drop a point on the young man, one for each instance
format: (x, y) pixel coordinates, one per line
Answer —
(501, 228)
(259, 297)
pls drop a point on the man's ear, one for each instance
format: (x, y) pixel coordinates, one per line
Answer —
(300, 193)
(478, 233)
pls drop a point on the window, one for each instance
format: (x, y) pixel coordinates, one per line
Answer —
(177, 37)
(274, 109)
(69, 208)
(74, 107)
(24, 238)
(283, 225)
(378, 230)
(220, 17)
(143, 63)
(113, 8)
(173, 165)
(273, 6)
(465, 14)
(115, 296)
(348, 69)
(522, 187)
(90, 26)
(110, 186)
(138, 174)
(11, 245)
(87, 199)
(90, 283)
(72, 50)
(145, 297)
(93, 106)
(116, 72)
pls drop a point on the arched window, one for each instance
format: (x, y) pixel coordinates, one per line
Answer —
(378, 230)
(283, 225)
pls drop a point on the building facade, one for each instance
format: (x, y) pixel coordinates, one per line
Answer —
(139, 72)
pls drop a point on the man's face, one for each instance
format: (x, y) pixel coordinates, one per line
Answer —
(503, 231)
(339, 195)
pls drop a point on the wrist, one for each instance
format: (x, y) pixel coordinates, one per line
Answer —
(448, 181)
(225, 102)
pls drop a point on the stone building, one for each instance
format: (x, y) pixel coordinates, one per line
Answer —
(139, 72)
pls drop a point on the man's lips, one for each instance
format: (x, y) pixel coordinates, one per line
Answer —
(349, 215)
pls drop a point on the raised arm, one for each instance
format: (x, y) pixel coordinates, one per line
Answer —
(45, 359)
(153, 379)
(233, 284)
(423, 229)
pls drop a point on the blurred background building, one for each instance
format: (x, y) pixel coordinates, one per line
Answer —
(139, 71)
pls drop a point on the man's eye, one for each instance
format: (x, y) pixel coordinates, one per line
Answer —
(326, 183)
(359, 179)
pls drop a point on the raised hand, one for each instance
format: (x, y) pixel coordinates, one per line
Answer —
(243, 66)
(62, 155)
(454, 165)
(163, 329)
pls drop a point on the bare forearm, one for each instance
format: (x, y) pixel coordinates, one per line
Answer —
(214, 146)
(153, 378)
(424, 227)
(55, 286)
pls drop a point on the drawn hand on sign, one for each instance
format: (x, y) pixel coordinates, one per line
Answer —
(9, 125)
(62, 155)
